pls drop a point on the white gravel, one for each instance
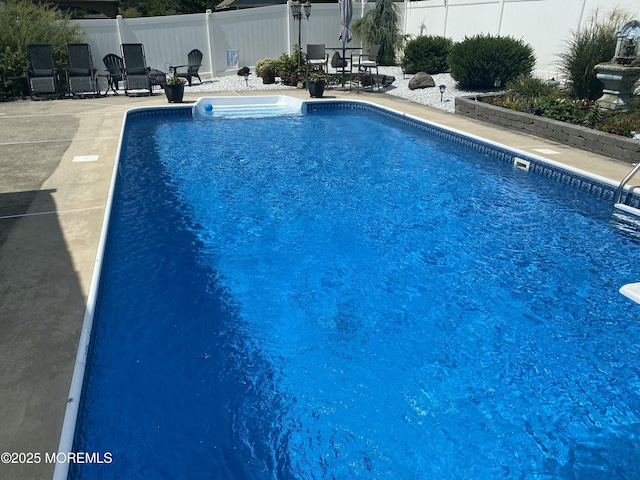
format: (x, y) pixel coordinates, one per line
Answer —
(399, 88)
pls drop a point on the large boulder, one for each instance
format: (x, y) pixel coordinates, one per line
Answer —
(421, 80)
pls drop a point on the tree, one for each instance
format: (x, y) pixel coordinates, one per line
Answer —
(381, 26)
(157, 8)
(23, 22)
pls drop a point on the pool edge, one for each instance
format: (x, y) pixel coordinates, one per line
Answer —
(67, 435)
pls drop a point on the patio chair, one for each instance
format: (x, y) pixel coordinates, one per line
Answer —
(81, 75)
(364, 64)
(135, 70)
(114, 65)
(194, 62)
(316, 58)
(42, 75)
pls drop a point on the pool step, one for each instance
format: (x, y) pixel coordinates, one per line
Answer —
(632, 291)
(627, 209)
(253, 111)
(247, 107)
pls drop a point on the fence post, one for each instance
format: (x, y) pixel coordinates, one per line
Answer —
(501, 15)
(446, 15)
(120, 27)
(579, 27)
(287, 14)
(207, 19)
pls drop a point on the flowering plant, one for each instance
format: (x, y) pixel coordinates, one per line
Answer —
(175, 81)
(317, 75)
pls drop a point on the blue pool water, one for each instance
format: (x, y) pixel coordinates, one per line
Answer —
(335, 296)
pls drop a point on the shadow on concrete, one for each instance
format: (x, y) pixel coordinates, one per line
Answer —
(42, 307)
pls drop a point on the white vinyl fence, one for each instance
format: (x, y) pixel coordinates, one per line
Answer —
(263, 32)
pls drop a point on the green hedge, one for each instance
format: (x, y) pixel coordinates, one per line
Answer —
(477, 62)
(426, 54)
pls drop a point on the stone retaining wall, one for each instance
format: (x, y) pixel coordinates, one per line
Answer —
(613, 146)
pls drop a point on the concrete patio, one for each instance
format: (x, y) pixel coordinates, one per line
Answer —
(51, 215)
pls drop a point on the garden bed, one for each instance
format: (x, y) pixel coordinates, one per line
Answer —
(614, 146)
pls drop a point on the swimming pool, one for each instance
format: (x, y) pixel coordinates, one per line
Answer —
(279, 304)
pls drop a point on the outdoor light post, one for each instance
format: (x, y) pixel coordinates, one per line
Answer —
(296, 11)
(442, 89)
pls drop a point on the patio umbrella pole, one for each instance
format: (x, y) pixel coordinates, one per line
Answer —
(346, 12)
(343, 62)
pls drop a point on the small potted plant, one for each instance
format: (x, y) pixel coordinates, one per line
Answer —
(316, 82)
(174, 89)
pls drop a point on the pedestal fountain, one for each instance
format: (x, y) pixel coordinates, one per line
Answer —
(620, 75)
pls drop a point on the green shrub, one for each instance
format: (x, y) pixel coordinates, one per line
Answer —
(564, 109)
(525, 94)
(596, 43)
(528, 87)
(511, 102)
(263, 63)
(426, 54)
(593, 116)
(23, 22)
(477, 62)
(284, 66)
(287, 65)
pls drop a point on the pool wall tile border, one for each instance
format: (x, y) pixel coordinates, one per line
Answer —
(169, 111)
(572, 177)
(554, 171)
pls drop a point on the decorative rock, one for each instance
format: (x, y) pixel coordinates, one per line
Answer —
(421, 80)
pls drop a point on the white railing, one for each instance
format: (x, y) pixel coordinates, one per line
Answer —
(263, 32)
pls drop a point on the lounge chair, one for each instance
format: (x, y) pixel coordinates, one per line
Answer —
(81, 75)
(194, 62)
(135, 70)
(43, 76)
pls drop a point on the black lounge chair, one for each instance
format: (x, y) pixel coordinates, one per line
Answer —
(43, 76)
(135, 70)
(194, 60)
(114, 65)
(81, 75)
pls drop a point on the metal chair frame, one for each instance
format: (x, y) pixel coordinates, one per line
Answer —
(365, 63)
